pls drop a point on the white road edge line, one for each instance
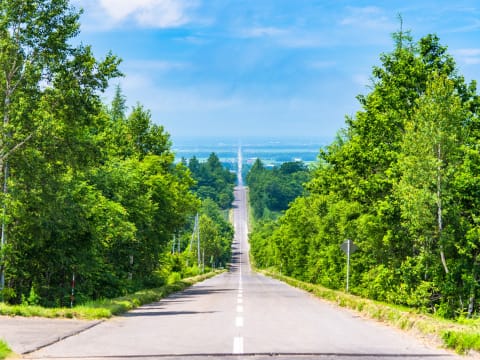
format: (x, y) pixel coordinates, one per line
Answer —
(238, 345)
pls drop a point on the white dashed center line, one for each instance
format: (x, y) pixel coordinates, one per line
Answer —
(238, 345)
(239, 321)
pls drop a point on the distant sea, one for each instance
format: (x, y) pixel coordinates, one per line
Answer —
(272, 151)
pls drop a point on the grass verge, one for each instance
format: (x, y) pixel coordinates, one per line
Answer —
(4, 350)
(106, 308)
(463, 335)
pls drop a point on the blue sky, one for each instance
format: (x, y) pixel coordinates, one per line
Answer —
(263, 67)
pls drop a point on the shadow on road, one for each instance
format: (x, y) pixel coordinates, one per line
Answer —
(200, 290)
(165, 313)
(264, 356)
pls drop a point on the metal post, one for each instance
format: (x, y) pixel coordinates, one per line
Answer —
(348, 248)
(348, 262)
(72, 296)
(130, 273)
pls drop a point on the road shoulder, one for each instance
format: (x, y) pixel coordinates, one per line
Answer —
(26, 335)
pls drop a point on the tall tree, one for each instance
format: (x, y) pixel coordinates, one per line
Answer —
(36, 61)
(214, 181)
(26, 51)
(401, 180)
(431, 154)
(118, 108)
(50, 93)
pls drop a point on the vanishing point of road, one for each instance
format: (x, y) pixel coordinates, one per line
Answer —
(242, 315)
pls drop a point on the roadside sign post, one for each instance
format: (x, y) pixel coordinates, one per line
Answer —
(349, 248)
(72, 296)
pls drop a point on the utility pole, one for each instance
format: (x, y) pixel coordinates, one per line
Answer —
(72, 295)
(3, 235)
(130, 273)
(195, 234)
(198, 242)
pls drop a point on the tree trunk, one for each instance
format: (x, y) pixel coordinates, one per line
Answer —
(4, 175)
(471, 305)
(439, 208)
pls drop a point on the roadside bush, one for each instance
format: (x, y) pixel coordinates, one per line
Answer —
(4, 350)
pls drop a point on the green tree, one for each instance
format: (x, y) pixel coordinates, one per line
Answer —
(29, 50)
(435, 151)
(50, 101)
(139, 174)
(214, 181)
(431, 153)
(271, 191)
(257, 196)
(400, 181)
(118, 108)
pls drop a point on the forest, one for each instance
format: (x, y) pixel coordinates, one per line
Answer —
(272, 190)
(214, 181)
(402, 181)
(91, 194)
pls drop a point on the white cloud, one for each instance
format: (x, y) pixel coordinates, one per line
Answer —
(288, 38)
(361, 79)
(470, 56)
(215, 109)
(468, 52)
(472, 60)
(257, 32)
(304, 40)
(320, 65)
(140, 87)
(146, 13)
(155, 65)
(370, 17)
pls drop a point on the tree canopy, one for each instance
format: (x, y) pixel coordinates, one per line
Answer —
(89, 190)
(213, 180)
(401, 180)
(272, 190)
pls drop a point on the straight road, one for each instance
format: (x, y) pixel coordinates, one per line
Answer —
(243, 315)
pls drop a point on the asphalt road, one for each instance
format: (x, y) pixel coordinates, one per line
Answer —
(244, 315)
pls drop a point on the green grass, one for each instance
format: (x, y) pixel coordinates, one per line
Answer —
(4, 350)
(462, 335)
(106, 308)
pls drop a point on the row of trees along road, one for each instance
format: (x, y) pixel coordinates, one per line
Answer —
(403, 181)
(213, 180)
(272, 190)
(206, 243)
(214, 186)
(87, 188)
